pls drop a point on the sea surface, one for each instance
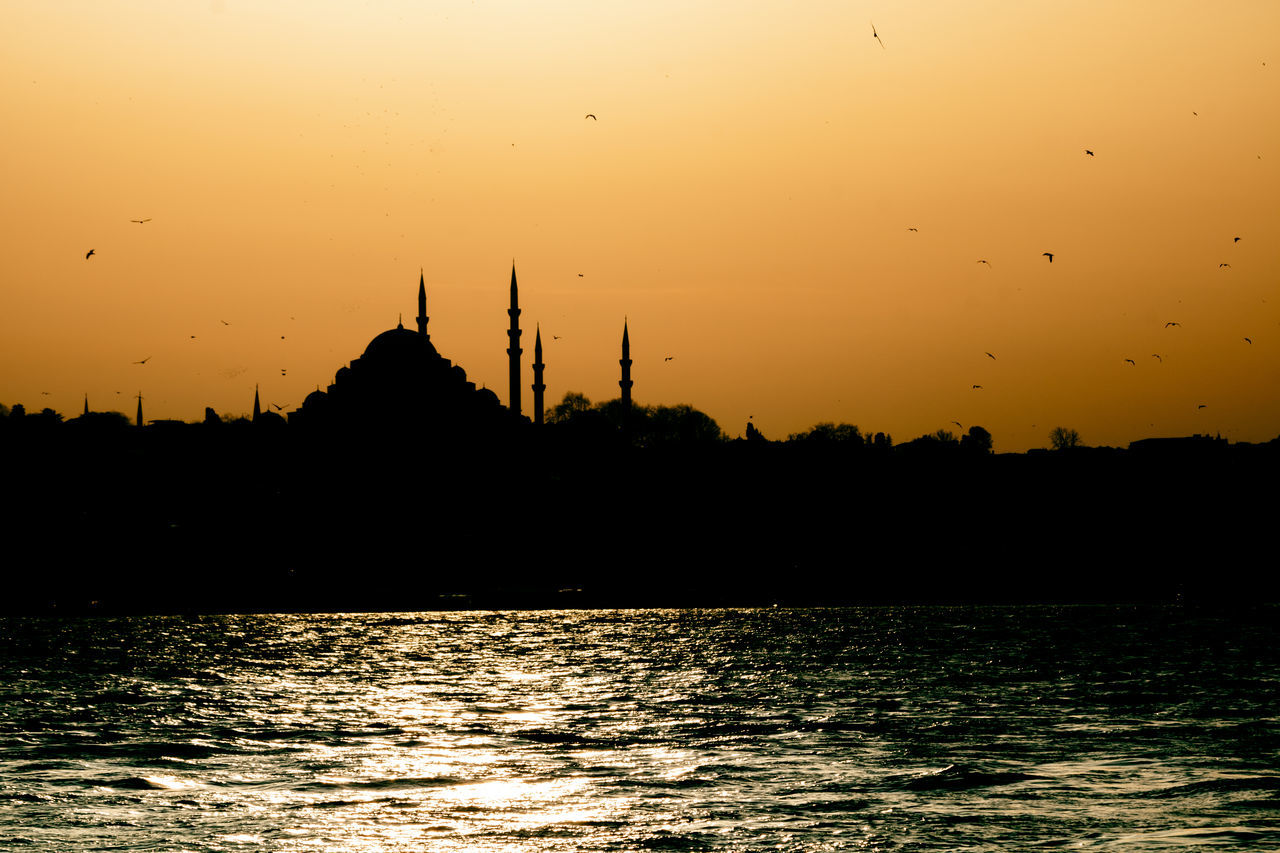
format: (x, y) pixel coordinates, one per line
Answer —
(1098, 728)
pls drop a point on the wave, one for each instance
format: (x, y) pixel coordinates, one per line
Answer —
(958, 777)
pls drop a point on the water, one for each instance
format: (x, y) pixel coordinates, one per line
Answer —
(1099, 728)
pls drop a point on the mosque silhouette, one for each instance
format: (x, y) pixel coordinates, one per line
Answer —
(405, 380)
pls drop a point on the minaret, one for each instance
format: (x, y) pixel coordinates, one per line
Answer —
(513, 351)
(257, 409)
(538, 386)
(86, 404)
(422, 307)
(625, 382)
(139, 408)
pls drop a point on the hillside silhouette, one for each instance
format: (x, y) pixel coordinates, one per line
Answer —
(608, 506)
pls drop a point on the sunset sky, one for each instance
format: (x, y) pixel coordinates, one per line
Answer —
(745, 199)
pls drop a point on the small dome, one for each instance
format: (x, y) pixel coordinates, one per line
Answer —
(315, 398)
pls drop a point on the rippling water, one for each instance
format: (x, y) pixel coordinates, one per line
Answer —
(1099, 728)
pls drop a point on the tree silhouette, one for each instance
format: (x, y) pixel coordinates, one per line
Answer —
(1062, 438)
(829, 433)
(977, 440)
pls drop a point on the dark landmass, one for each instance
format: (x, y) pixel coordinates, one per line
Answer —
(601, 507)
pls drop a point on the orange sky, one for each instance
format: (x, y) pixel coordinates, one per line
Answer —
(744, 199)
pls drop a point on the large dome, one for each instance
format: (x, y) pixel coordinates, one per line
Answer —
(398, 343)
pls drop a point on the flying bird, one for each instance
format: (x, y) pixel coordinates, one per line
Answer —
(668, 358)
(1131, 361)
(957, 423)
(1157, 357)
(1220, 266)
(1235, 240)
(555, 337)
(990, 356)
(1202, 406)
(979, 387)
(876, 35)
(1087, 151)
(1167, 325)
(580, 275)
(984, 261)
(224, 322)
(141, 221)
(144, 361)
(913, 229)
(591, 116)
(1247, 341)
(1048, 255)
(88, 253)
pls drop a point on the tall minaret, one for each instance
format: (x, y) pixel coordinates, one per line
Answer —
(538, 386)
(422, 307)
(625, 361)
(257, 409)
(139, 408)
(513, 351)
(86, 403)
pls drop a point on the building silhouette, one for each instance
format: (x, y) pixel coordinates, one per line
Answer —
(513, 349)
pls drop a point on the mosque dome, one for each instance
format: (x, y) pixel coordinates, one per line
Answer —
(398, 343)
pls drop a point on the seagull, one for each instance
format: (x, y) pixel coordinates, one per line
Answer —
(1220, 266)
(1087, 151)
(1048, 255)
(88, 253)
(913, 229)
(1131, 361)
(555, 337)
(1235, 240)
(580, 275)
(668, 358)
(957, 423)
(1157, 357)
(979, 387)
(144, 361)
(591, 116)
(1247, 341)
(1202, 406)
(141, 221)
(1167, 325)
(280, 408)
(984, 261)
(992, 357)
(876, 35)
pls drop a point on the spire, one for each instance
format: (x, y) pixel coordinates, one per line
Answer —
(538, 385)
(625, 382)
(139, 408)
(257, 409)
(513, 351)
(86, 403)
(422, 306)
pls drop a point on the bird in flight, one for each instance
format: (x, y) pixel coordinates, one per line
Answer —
(141, 221)
(984, 261)
(88, 253)
(1157, 357)
(1247, 341)
(1167, 325)
(144, 361)
(913, 229)
(979, 387)
(280, 408)
(990, 356)
(957, 423)
(1048, 255)
(1202, 406)
(1131, 361)
(1220, 266)
(591, 116)
(580, 275)
(1235, 240)
(876, 35)
(555, 337)
(224, 322)
(668, 358)
(1087, 151)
